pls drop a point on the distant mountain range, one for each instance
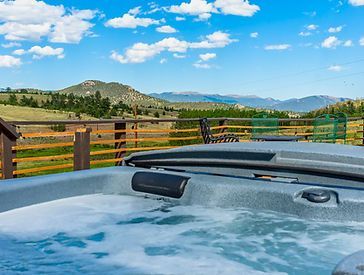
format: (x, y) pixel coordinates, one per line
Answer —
(304, 104)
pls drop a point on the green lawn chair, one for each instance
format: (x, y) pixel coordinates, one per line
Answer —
(342, 121)
(264, 125)
(325, 128)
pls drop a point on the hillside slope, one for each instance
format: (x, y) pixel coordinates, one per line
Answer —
(113, 90)
(354, 108)
(12, 113)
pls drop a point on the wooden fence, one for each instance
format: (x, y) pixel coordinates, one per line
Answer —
(37, 147)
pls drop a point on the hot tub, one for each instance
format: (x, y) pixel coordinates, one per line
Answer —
(211, 209)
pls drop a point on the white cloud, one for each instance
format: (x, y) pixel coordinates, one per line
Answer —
(335, 29)
(71, 28)
(163, 60)
(18, 31)
(172, 44)
(129, 20)
(236, 7)
(166, 29)
(305, 34)
(357, 2)
(33, 20)
(348, 43)
(207, 56)
(203, 10)
(278, 47)
(19, 52)
(180, 56)
(134, 11)
(10, 45)
(202, 65)
(361, 41)
(199, 8)
(141, 52)
(254, 35)
(8, 61)
(310, 13)
(312, 27)
(180, 18)
(331, 42)
(335, 68)
(40, 52)
(217, 39)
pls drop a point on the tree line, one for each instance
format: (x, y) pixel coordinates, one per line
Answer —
(93, 105)
(350, 108)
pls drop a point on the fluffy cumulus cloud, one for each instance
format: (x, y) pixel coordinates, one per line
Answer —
(10, 45)
(335, 29)
(361, 41)
(312, 27)
(39, 52)
(207, 56)
(331, 42)
(8, 61)
(335, 68)
(131, 21)
(71, 28)
(179, 56)
(19, 52)
(199, 65)
(166, 29)
(305, 34)
(357, 2)
(348, 43)
(33, 20)
(236, 7)
(141, 52)
(277, 47)
(199, 8)
(217, 39)
(202, 62)
(203, 10)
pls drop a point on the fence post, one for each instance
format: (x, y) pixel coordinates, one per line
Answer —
(222, 123)
(81, 149)
(120, 144)
(8, 137)
(362, 128)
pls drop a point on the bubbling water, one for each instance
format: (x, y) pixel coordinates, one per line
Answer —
(133, 235)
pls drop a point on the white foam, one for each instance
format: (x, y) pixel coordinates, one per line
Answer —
(206, 241)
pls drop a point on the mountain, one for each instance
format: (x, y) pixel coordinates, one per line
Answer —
(305, 104)
(115, 91)
(251, 101)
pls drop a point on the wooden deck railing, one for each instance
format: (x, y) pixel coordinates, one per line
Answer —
(32, 147)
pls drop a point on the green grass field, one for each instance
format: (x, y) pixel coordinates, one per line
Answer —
(19, 113)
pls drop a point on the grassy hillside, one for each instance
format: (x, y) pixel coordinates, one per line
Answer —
(9, 112)
(113, 90)
(354, 108)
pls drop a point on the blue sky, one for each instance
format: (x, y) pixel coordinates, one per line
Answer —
(271, 48)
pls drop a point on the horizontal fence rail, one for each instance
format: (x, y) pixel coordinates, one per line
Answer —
(37, 147)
